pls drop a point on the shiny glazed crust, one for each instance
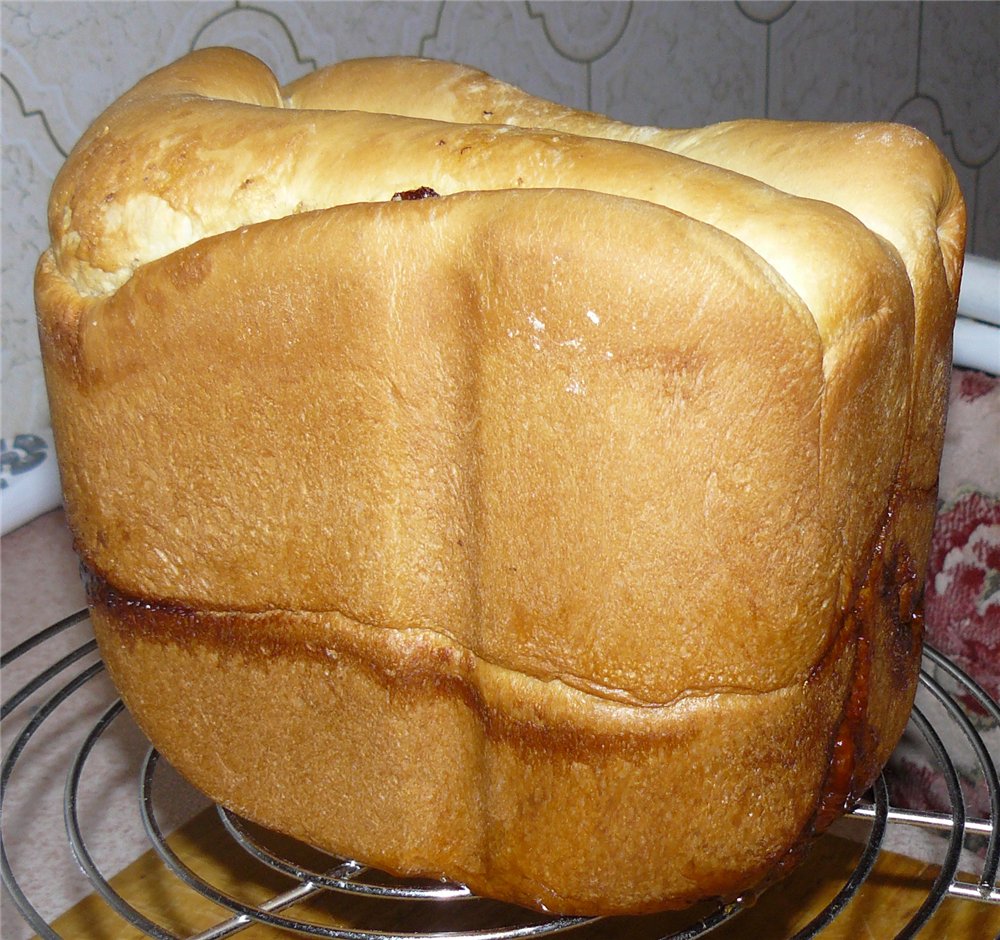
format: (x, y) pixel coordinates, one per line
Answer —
(555, 532)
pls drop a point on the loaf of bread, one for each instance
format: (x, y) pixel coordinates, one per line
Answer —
(487, 490)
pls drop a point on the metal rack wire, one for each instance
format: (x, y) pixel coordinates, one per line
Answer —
(62, 675)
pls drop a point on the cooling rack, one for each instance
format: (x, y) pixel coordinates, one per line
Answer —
(950, 713)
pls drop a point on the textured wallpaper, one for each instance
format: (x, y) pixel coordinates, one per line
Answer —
(933, 65)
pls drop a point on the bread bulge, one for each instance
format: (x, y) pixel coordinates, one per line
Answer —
(486, 490)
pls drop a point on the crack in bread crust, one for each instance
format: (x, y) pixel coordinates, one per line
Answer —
(407, 657)
(517, 756)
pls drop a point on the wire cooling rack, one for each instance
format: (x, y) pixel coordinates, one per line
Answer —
(950, 706)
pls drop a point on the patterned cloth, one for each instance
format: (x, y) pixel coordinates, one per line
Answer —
(963, 591)
(962, 596)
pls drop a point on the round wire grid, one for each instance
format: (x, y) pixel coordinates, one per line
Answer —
(948, 700)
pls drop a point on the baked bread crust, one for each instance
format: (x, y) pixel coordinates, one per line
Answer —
(568, 498)
(889, 176)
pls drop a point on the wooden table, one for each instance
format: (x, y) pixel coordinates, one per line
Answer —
(894, 891)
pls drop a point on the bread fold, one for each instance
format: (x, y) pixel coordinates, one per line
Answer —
(554, 532)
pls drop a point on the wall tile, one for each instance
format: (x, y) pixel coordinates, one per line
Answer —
(328, 32)
(30, 161)
(843, 61)
(984, 213)
(262, 33)
(959, 76)
(764, 11)
(681, 65)
(582, 32)
(960, 69)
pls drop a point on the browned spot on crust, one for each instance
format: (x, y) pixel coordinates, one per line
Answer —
(192, 267)
(675, 369)
(903, 598)
(410, 195)
(887, 591)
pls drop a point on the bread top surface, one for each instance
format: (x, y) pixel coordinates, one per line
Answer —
(522, 346)
(207, 146)
(890, 176)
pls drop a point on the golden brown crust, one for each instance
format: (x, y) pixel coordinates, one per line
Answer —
(889, 176)
(435, 453)
(597, 462)
(434, 762)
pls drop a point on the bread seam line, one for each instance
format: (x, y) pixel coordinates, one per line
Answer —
(611, 696)
(87, 273)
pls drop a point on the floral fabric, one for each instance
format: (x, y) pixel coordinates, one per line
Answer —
(962, 598)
